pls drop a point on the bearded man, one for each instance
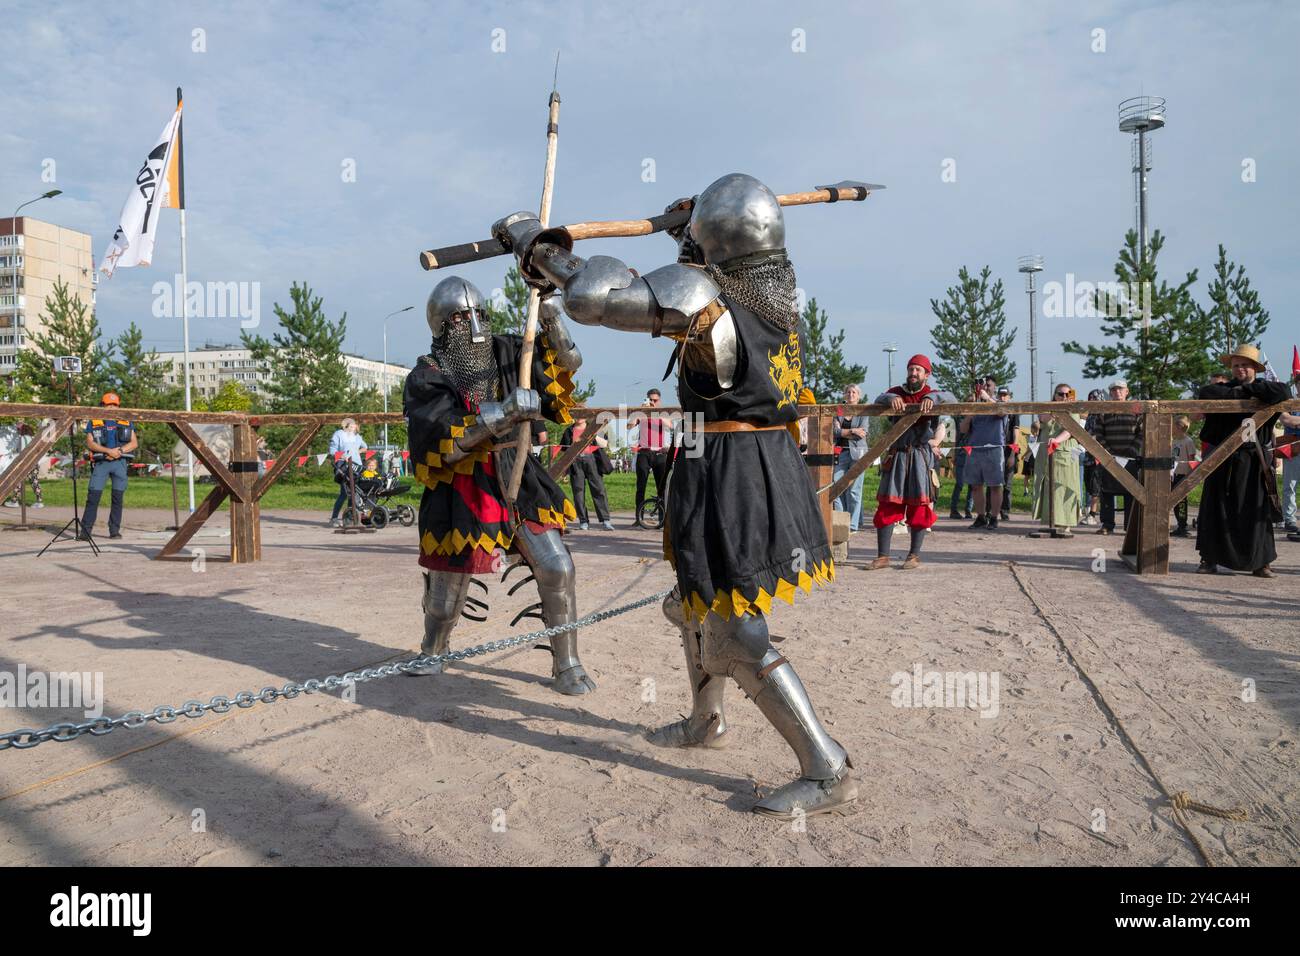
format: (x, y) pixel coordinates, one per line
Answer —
(463, 405)
(906, 486)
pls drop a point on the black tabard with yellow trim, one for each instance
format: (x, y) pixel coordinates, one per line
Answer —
(744, 525)
(463, 517)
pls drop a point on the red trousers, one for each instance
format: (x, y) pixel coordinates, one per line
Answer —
(892, 512)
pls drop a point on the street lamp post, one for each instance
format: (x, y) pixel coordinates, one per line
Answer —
(889, 351)
(385, 377)
(13, 231)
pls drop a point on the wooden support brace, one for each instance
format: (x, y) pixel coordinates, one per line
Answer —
(206, 509)
(1104, 458)
(561, 465)
(210, 461)
(875, 451)
(1217, 457)
(290, 452)
(18, 470)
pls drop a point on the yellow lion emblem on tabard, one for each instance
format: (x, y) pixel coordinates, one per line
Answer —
(786, 371)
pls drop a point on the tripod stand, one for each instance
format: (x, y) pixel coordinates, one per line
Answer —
(79, 533)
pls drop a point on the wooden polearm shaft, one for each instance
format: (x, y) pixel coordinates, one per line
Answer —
(523, 444)
(621, 228)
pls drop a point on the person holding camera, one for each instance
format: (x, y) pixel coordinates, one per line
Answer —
(111, 442)
(986, 437)
(653, 439)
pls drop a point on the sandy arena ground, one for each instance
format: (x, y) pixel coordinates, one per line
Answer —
(486, 765)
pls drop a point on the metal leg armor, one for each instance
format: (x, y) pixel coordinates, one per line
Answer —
(706, 724)
(444, 599)
(552, 568)
(739, 648)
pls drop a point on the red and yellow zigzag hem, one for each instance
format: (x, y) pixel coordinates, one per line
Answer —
(727, 603)
(455, 541)
(549, 516)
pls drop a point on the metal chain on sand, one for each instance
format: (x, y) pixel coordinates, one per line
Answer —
(27, 738)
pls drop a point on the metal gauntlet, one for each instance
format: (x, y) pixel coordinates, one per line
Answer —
(495, 420)
(566, 351)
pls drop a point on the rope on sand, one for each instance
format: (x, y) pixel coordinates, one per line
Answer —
(1181, 802)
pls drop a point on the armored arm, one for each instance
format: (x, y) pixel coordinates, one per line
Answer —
(602, 290)
(495, 420)
(557, 334)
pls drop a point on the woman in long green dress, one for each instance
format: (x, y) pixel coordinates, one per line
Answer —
(1057, 450)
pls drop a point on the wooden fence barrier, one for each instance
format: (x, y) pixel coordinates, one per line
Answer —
(1145, 546)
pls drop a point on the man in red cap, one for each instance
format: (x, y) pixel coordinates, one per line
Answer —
(905, 476)
(111, 442)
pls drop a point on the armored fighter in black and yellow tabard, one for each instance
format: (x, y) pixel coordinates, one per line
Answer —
(744, 528)
(462, 404)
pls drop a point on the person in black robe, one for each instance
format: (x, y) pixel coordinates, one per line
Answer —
(1239, 499)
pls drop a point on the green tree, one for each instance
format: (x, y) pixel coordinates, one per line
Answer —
(1235, 316)
(825, 370)
(230, 397)
(305, 358)
(508, 314)
(1164, 360)
(971, 340)
(68, 327)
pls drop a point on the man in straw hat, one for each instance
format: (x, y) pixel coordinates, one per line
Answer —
(1239, 503)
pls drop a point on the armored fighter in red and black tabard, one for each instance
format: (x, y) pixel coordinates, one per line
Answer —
(463, 404)
(744, 528)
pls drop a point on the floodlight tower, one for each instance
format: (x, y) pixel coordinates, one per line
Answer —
(1141, 115)
(1030, 265)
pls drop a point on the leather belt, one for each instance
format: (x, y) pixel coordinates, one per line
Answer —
(735, 426)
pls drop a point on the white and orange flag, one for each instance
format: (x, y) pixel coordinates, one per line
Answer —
(160, 184)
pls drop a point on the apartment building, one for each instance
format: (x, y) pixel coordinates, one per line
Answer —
(33, 256)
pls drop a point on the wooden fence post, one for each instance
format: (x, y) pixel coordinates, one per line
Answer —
(821, 461)
(1157, 453)
(245, 512)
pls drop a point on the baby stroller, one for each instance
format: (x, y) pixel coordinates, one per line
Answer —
(373, 494)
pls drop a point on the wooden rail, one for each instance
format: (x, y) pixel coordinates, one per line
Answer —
(1147, 543)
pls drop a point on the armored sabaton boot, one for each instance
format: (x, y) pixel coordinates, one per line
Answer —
(739, 647)
(444, 599)
(552, 568)
(706, 724)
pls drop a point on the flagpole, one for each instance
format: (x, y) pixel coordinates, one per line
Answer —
(185, 308)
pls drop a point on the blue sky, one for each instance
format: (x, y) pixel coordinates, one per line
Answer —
(447, 135)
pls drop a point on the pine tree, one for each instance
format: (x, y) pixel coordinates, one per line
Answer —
(509, 318)
(1235, 316)
(824, 368)
(971, 340)
(1165, 360)
(305, 359)
(136, 373)
(68, 327)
